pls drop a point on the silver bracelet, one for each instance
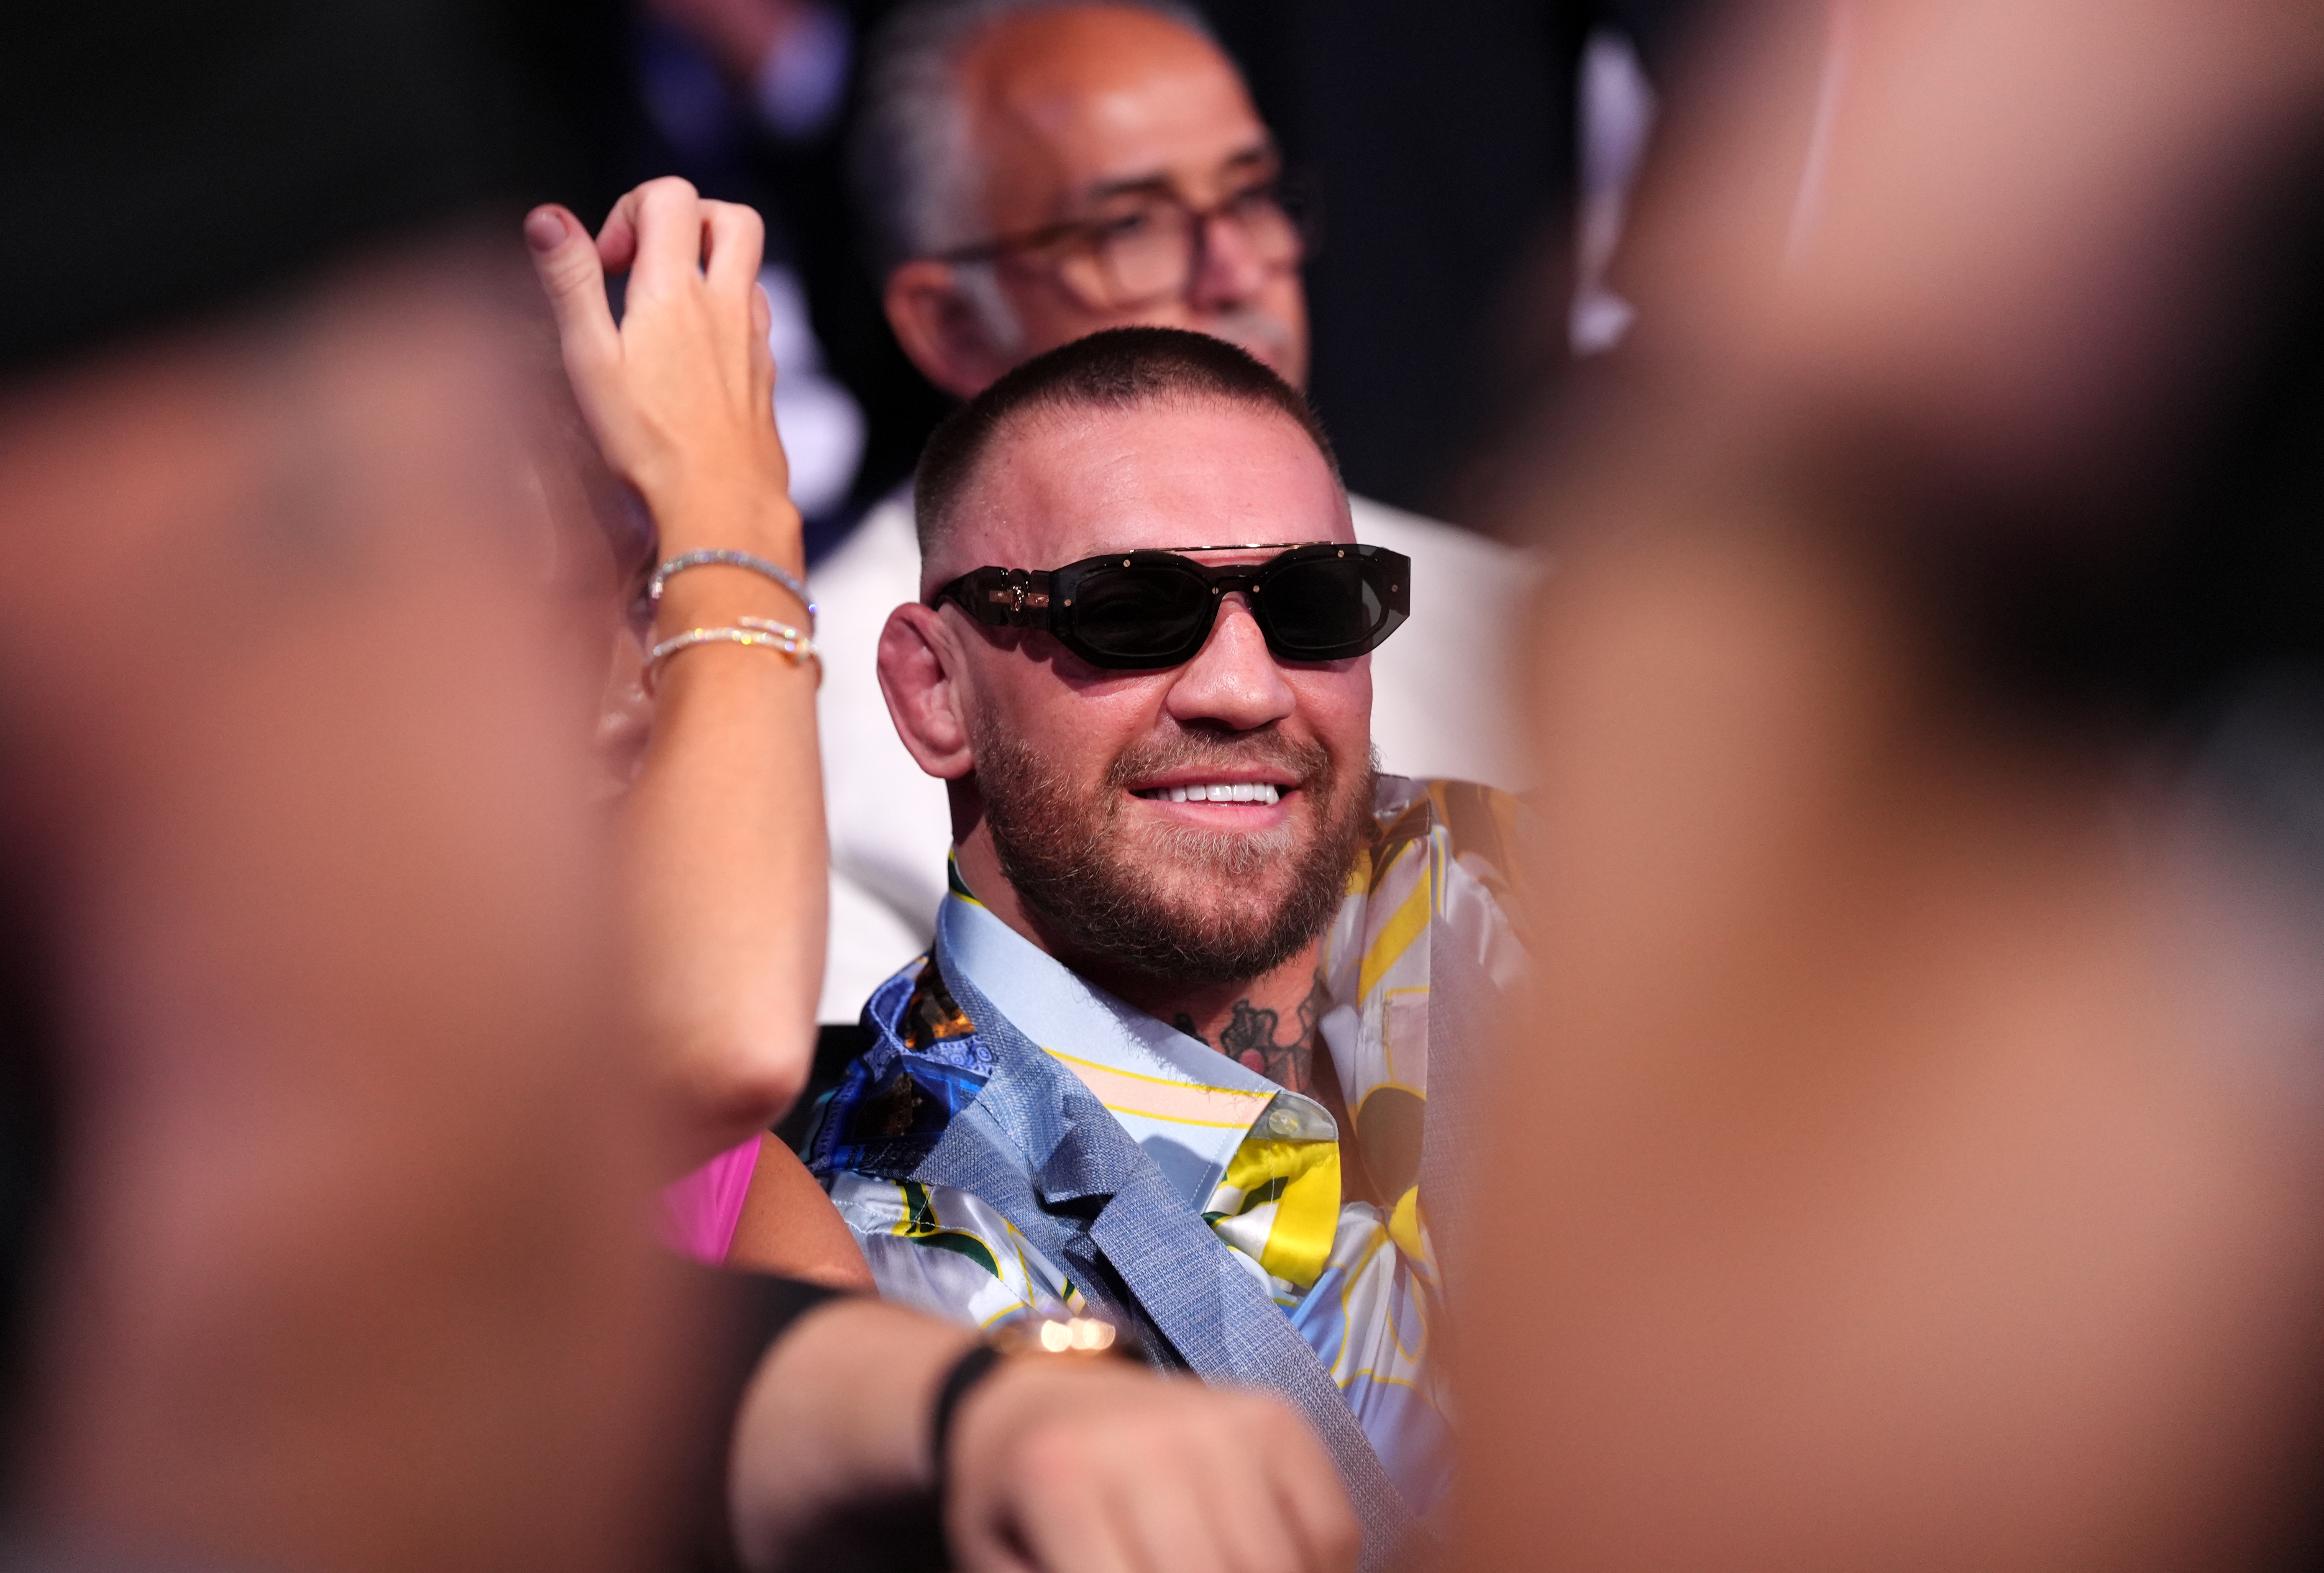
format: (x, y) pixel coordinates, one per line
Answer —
(759, 633)
(725, 556)
(799, 646)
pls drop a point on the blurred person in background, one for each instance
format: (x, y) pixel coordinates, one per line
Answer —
(790, 58)
(1202, 974)
(1472, 158)
(743, 99)
(1029, 172)
(750, 100)
(1924, 1094)
(328, 1202)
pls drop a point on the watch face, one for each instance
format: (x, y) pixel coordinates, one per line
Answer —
(1076, 1335)
(1070, 1336)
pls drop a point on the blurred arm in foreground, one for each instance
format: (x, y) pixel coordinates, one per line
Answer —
(1923, 1087)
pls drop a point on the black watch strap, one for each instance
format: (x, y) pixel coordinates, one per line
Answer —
(973, 1367)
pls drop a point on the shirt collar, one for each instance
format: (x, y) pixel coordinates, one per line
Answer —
(1187, 1105)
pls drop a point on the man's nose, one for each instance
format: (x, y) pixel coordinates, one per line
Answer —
(1234, 680)
(1227, 268)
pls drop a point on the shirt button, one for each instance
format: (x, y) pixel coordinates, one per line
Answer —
(1283, 1122)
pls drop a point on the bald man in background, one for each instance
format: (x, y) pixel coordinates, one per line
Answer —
(1031, 171)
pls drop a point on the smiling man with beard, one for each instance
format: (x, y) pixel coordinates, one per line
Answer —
(1167, 1061)
(1028, 171)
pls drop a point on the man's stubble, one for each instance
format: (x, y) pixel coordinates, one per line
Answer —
(1141, 906)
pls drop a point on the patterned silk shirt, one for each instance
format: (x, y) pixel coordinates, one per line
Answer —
(1260, 1165)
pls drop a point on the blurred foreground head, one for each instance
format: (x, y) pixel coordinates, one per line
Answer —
(1924, 1096)
(342, 1190)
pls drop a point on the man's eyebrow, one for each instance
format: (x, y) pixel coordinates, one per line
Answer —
(1137, 186)
(1257, 155)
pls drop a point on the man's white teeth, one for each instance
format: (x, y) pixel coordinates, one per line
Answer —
(1241, 792)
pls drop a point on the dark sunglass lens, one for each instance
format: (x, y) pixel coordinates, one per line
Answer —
(1323, 606)
(1142, 613)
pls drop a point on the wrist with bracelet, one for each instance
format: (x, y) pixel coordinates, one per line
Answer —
(727, 557)
(1079, 1340)
(756, 633)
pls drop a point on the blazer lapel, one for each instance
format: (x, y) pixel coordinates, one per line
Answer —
(1180, 1280)
(1229, 1331)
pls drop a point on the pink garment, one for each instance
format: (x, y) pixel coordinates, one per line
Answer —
(700, 1212)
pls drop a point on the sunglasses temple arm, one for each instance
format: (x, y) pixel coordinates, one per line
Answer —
(999, 598)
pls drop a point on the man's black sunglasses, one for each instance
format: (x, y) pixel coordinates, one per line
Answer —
(1137, 611)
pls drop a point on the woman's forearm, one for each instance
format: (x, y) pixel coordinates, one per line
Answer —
(726, 856)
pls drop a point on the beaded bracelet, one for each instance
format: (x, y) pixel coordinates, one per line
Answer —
(758, 633)
(719, 556)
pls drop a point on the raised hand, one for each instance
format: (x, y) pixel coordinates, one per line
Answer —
(723, 822)
(680, 394)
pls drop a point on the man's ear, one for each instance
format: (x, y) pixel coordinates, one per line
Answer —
(942, 328)
(919, 665)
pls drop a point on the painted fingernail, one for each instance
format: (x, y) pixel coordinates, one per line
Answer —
(544, 229)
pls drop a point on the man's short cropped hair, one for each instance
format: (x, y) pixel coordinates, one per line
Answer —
(910, 164)
(1120, 369)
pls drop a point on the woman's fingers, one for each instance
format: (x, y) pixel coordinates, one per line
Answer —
(566, 263)
(1307, 1491)
(653, 231)
(617, 239)
(763, 353)
(1165, 1523)
(735, 237)
(762, 318)
(1078, 1470)
(669, 220)
(1257, 1537)
(664, 231)
(1071, 1528)
(682, 391)
(734, 240)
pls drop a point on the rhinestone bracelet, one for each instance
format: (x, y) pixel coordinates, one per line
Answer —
(757, 632)
(722, 557)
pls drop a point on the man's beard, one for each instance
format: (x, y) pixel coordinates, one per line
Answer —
(1075, 866)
